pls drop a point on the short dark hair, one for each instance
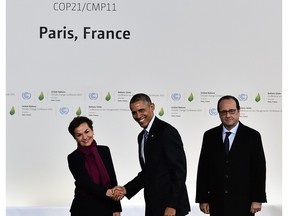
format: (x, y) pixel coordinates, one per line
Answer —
(140, 96)
(78, 121)
(227, 97)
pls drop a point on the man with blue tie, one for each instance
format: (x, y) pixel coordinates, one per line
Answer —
(163, 163)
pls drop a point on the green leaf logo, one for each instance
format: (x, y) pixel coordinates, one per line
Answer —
(190, 98)
(78, 112)
(12, 111)
(108, 97)
(41, 96)
(161, 112)
(258, 98)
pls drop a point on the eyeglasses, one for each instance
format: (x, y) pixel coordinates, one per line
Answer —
(224, 112)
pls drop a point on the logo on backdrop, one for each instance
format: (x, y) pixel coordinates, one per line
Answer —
(64, 110)
(213, 112)
(93, 96)
(176, 96)
(26, 95)
(242, 97)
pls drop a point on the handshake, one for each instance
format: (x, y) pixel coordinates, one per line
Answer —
(117, 193)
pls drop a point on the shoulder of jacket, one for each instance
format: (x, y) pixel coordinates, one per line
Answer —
(75, 154)
(247, 129)
(103, 148)
(214, 129)
(161, 125)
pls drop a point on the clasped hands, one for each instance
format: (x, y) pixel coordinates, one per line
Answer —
(117, 193)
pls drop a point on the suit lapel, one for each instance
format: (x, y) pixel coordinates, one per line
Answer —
(219, 139)
(140, 137)
(237, 139)
(151, 135)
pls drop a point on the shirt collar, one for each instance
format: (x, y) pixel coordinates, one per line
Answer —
(233, 130)
(150, 124)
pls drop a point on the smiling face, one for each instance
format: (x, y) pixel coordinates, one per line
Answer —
(83, 134)
(142, 112)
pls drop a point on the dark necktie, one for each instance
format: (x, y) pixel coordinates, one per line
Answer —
(226, 142)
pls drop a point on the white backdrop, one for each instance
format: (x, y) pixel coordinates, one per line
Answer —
(184, 55)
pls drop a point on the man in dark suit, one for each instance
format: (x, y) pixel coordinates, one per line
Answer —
(231, 183)
(163, 162)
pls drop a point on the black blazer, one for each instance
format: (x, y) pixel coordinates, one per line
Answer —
(163, 175)
(230, 184)
(89, 198)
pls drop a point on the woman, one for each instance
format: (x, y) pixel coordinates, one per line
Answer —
(92, 168)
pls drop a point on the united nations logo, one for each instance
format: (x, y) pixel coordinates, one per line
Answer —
(64, 110)
(213, 112)
(26, 95)
(242, 97)
(176, 96)
(93, 96)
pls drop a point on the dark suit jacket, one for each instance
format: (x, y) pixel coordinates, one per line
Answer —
(164, 174)
(230, 184)
(90, 199)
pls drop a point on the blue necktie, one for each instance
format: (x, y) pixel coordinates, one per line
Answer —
(226, 142)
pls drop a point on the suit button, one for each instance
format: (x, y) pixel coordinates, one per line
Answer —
(226, 176)
(226, 191)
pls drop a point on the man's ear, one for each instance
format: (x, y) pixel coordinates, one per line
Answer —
(152, 106)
